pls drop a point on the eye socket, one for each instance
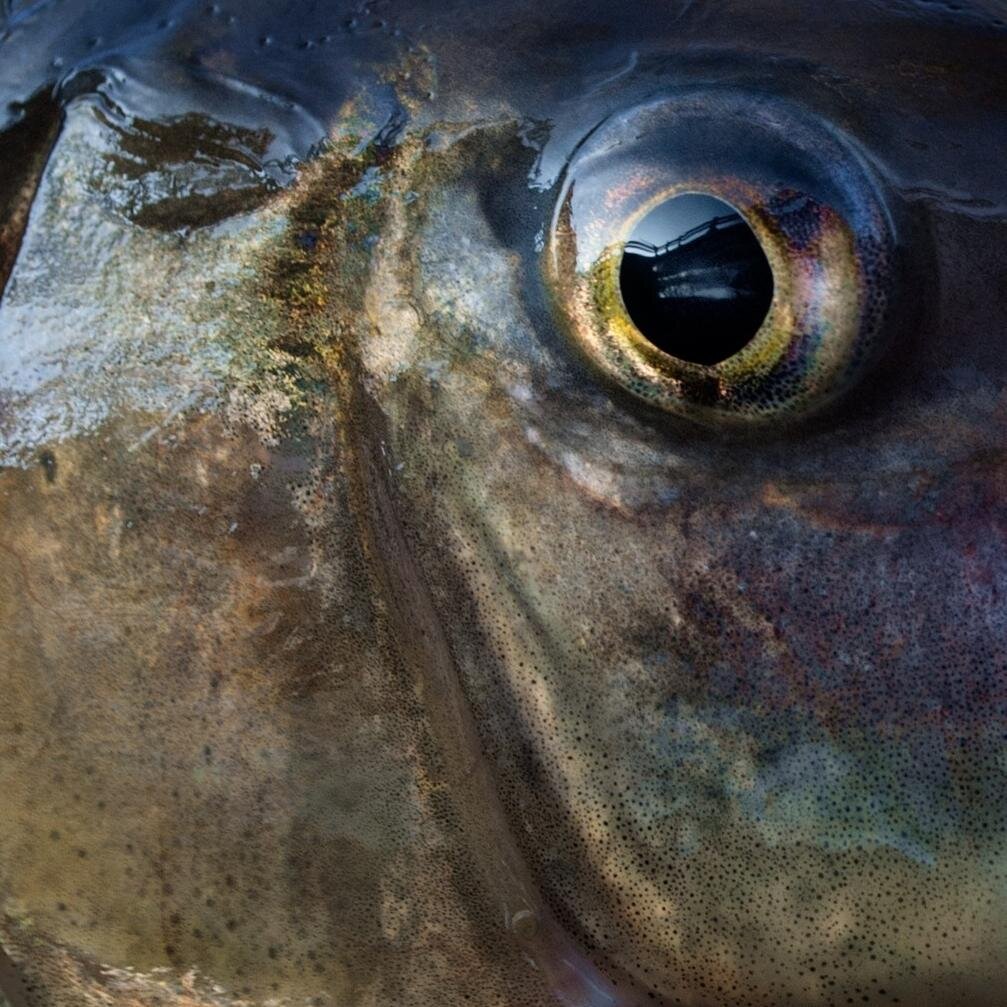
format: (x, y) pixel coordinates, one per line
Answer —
(773, 311)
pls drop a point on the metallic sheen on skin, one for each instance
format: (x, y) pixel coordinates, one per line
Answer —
(362, 644)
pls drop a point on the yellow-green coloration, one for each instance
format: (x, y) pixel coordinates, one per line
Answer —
(816, 315)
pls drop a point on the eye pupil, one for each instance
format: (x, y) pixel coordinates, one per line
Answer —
(695, 279)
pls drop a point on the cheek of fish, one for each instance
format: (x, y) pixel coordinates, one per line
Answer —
(735, 732)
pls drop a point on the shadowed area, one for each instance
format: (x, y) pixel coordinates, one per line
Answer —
(24, 148)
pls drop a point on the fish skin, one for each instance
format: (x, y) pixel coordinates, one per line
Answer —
(363, 645)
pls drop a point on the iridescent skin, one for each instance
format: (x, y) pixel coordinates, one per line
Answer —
(362, 645)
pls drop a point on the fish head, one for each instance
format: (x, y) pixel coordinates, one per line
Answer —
(392, 623)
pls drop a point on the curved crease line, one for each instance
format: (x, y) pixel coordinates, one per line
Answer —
(572, 977)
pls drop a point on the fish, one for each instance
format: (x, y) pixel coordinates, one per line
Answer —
(386, 619)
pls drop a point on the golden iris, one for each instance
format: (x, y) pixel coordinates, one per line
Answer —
(812, 203)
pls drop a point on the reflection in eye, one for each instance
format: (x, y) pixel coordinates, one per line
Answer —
(701, 286)
(723, 257)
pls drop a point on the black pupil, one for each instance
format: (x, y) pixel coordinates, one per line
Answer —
(695, 280)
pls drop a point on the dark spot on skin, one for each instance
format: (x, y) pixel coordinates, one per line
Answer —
(307, 240)
(48, 462)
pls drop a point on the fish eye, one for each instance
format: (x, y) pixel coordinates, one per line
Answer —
(725, 257)
(695, 280)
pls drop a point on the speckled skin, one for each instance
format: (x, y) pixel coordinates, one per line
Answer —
(360, 644)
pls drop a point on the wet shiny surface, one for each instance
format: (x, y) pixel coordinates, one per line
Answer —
(703, 286)
(365, 643)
